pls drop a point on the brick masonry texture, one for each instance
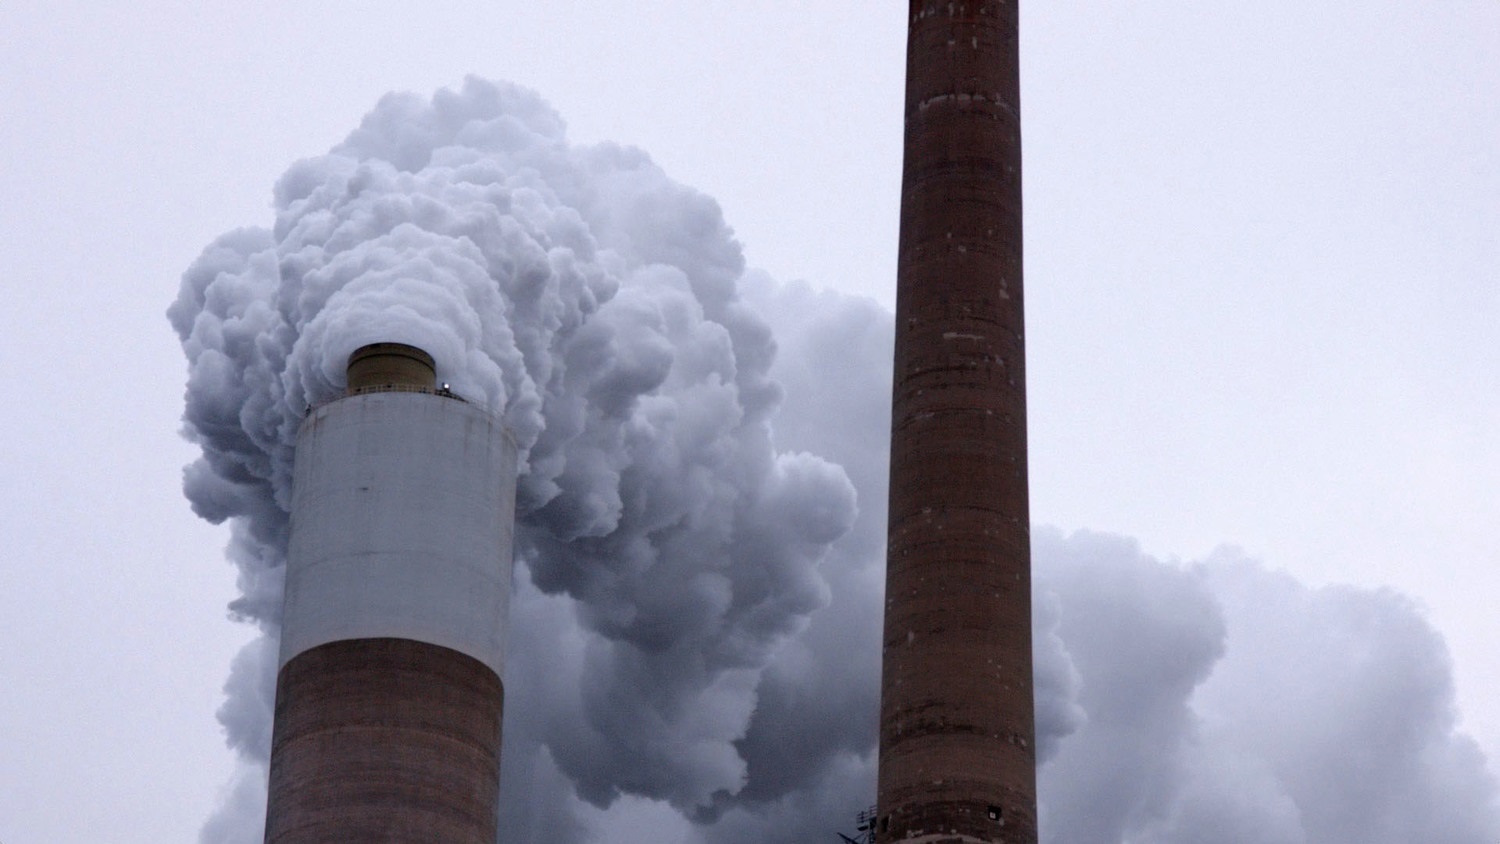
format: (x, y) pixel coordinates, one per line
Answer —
(957, 746)
(385, 740)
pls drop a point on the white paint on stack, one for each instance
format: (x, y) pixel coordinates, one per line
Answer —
(402, 519)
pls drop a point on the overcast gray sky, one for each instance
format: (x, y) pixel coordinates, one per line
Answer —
(1263, 285)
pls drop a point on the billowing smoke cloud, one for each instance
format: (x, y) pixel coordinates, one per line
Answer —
(1176, 703)
(1226, 702)
(698, 601)
(666, 547)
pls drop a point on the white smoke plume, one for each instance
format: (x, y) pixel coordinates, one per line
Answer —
(1226, 702)
(698, 601)
(592, 302)
(1177, 703)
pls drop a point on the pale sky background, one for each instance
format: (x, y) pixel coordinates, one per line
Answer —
(1263, 275)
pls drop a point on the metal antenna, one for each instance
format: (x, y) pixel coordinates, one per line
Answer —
(864, 825)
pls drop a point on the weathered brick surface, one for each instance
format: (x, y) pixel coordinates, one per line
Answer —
(384, 740)
(957, 755)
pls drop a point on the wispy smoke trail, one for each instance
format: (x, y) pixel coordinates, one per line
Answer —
(698, 607)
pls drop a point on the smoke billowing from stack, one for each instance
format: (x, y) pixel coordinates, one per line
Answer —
(691, 622)
(389, 695)
(665, 548)
(957, 743)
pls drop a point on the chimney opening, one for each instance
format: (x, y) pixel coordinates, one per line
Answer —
(390, 366)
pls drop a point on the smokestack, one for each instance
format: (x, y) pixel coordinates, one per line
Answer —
(957, 749)
(388, 697)
(382, 365)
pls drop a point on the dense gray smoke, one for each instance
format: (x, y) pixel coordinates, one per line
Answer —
(697, 606)
(1225, 702)
(1177, 703)
(591, 301)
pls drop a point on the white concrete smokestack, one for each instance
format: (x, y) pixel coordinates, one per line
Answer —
(389, 698)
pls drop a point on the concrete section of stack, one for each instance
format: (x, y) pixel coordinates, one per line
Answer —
(389, 695)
